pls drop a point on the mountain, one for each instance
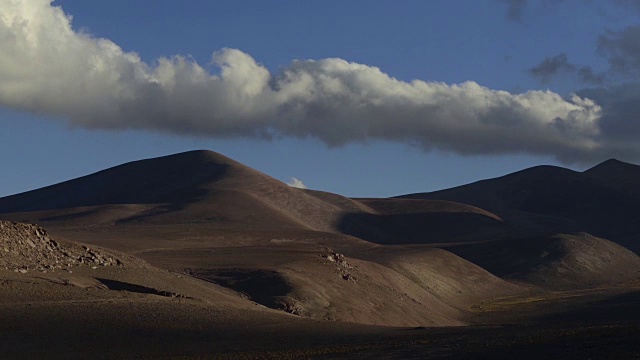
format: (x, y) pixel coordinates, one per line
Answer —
(197, 248)
(618, 175)
(601, 201)
(208, 188)
(208, 216)
(191, 186)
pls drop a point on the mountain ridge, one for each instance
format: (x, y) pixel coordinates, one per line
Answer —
(549, 199)
(393, 261)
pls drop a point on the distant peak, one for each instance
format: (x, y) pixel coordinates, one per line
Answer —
(178, 179)
(540, 171)
(610, 165)
(613, 161)
(614, 170)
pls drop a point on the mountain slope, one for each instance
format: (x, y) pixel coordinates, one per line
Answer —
(203, 214)
(546, 199)
(208, 188)
(558, 261)
(177, 178)
(618, 175)
(415, 221)
(424, 260)
(191, 186)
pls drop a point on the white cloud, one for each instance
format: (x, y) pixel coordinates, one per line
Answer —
(47, 67)
(297, 183)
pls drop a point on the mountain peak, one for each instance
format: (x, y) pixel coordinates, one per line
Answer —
(616, 174)
(176, 178)
(195, 156)
(612, 167)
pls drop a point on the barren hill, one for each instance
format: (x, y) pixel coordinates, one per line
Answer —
(422, 260)
(207, 255)
(206, 215)
(191, 186)
(212, 190)
(417, 221)
(618, 175)
(601, 201)
(560, 261)
(196, 248)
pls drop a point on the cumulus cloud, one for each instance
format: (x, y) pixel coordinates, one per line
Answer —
(297, 183)
(47, 67)
(620, 118)
(618, 87)
(559, 65)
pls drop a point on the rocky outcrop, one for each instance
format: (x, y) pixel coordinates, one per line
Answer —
(341, 264)
(27, 247)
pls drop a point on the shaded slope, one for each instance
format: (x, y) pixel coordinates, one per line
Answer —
(617, 175)
(409, 221)
(170, 179)
(531, 189)
(207, 215)
(448, 277)
(559, 261)
(396, 286)
(548, 199)
(203, 187)
(191, 186)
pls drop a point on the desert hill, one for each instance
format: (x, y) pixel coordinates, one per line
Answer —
(191, 186)
(601, 201)
(421, 260)
(617, 174)
(210, 189)
(561, 261)
(203, 214)
(416, 221)
(196, 248)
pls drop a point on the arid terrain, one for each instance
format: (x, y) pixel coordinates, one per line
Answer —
(195, 255)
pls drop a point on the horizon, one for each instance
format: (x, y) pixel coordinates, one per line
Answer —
(297, 185)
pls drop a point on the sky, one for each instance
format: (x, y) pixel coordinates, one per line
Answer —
(361, 98)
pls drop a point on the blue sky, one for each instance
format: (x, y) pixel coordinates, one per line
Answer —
(371, 135)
